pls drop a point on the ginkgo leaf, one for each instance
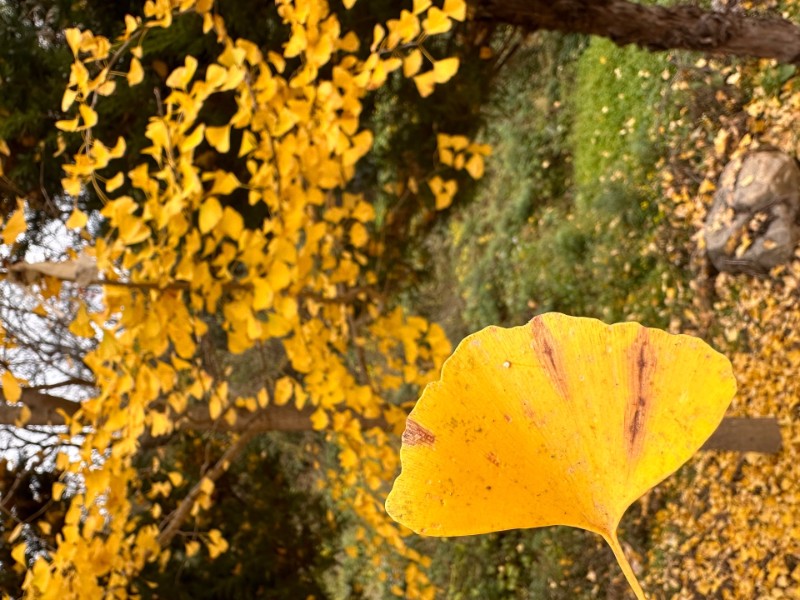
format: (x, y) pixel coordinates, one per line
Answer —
(475, 166)
(378, 33)
(180, 77)
(15, 225)
(412, 63)
(115, 182)
(58, 490)
(436, 22)
(455, 9)
(210, 214)
(67, 124)
(283, 391)
(18, 553)
(358, 234)
(421, 6)
(444, 69)
(136, 73)
(319, 419)
(406, 27)
(73, 36)
(67, 99)
(443, 191)
(88, 114)
(563, 421)
(192, 548)
(71, 185)
(216, 543)
(219, 137)
(77, 219)
(425, 83)
(10, 388)
(349, 43)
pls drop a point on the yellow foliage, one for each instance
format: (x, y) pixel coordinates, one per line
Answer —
(443, 191)
(176, 255)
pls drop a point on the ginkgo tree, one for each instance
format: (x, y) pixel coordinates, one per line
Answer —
(222, 207)
(265, 246)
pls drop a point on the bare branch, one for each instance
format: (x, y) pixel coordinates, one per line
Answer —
(172, 524)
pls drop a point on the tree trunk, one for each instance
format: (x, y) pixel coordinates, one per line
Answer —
(684, 27)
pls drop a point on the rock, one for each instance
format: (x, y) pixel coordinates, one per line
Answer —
(752, 225)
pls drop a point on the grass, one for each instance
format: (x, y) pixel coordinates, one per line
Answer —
(566, 217)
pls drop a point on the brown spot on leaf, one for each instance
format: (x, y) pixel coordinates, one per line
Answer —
(642, 359)
(415, 434)
(527, 409)
(492, 458)
(507, 418)
(546, 349)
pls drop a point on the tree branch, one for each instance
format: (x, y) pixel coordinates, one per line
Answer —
(734, 434)
(83, 272)
(43, 408)
(683, 27)
(175, 520)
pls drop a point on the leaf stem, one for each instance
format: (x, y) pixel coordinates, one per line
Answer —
(613, 541)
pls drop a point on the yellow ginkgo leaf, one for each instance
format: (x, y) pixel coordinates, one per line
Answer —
(135, 73)
(283, 391)
(77, 219)
(210, 214)
(425, 83)
(444, 69)
(436, 22)
(319, 419)
(67, 99)
(88, 114)
(358, 234)
(455, 9)
(421, 6)
(443, 191)
(563, 421)
(67, 124)
(219, 137)
(18, 553)
(10, 388)
(73, 36)
(406, 28)
(180, 77)
(115, 182)
(216, 543)
(412, 63)
(475, 166)
(192, 548)
(15, 225)
(378, 33)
